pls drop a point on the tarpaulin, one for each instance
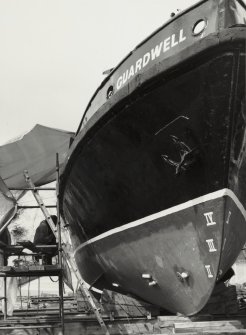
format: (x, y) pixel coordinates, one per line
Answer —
(8, 206)
(12, 290)
(35, 152)
(234, 13)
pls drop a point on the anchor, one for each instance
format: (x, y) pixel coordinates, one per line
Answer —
(188, 156)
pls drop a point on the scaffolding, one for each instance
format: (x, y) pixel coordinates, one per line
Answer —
(40, 270)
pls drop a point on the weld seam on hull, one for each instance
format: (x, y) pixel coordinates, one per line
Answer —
(171, 210)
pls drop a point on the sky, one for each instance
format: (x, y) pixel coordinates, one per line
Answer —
(53, 54)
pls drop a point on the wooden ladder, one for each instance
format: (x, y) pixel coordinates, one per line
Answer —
(62, 245)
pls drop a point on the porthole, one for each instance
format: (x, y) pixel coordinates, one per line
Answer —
(110, 91)
(199, 27)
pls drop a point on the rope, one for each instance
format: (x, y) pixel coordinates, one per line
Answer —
(54, 281)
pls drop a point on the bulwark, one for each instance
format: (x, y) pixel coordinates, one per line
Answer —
(168, 43)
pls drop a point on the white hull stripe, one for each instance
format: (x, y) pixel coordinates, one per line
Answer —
(171, 210)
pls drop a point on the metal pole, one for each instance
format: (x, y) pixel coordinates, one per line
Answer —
(59, 243)
(61, 302)
(20, 294)
(58, 211)
(5, 298)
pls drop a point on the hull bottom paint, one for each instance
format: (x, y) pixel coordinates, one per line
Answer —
(185, 241)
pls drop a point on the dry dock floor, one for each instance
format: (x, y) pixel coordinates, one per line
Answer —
(225, 313)
(82, 324)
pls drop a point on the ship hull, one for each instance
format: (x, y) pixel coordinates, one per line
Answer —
(154, 183)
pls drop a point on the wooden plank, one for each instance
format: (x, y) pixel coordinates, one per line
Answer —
(204, 324)
(49, 326)
(213, 332)
(199, 331)
(30, 271)
(164, 318)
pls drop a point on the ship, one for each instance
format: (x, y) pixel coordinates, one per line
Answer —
(153, 188)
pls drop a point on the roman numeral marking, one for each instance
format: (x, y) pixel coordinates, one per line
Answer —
(209, 218)
(228, 217)
(211, 246)
(209, 271)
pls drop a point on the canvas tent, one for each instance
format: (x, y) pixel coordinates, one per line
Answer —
(35, 152)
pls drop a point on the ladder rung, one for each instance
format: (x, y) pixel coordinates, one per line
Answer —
(30, 207)
(31, 188)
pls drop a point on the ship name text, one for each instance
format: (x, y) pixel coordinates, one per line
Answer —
(165, 45)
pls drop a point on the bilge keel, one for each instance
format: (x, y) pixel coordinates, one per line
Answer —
(154, 184)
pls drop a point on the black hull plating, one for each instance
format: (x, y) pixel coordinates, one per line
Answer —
(129, 169)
